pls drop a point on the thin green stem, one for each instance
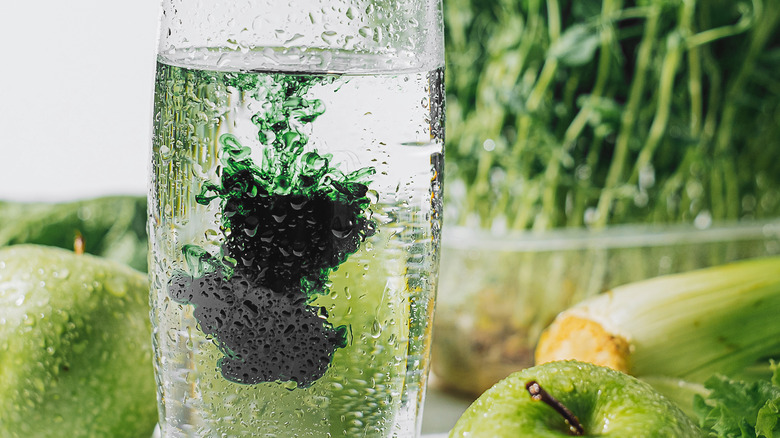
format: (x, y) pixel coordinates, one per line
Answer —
(529, 40)
(676, 201)
(715, 98)
(745, 23)
(553, 20)
(606, 39)
(516, 174)
(487, 120)
(762, 31)
(552, 173)
(524, 205)
(717, 189)
(663, 107)
(628, 119)
(694, 73)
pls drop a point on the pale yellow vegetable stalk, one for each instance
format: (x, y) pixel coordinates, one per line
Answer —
(688, 326)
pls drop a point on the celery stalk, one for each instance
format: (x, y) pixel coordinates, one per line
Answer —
(689, 326)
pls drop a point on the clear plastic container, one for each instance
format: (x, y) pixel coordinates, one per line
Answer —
(498, 292)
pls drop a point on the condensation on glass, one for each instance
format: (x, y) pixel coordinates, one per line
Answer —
(295, 216)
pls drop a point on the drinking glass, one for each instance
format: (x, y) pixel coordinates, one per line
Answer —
(295, 215)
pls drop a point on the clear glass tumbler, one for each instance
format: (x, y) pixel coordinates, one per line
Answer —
(295, 214)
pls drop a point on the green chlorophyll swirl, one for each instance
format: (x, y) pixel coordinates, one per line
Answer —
(287, 222)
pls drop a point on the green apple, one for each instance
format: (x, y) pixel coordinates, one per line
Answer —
(75, 346)
(606, 403)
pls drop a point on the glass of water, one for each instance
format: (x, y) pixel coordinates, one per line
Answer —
(294, 215)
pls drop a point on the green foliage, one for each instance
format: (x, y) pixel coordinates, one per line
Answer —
(570, 113)
(738, 409)
(113, 227)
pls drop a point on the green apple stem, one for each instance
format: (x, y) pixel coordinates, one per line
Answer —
(538, 393)
(78, 244)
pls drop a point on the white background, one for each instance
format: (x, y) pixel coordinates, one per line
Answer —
(76, 83)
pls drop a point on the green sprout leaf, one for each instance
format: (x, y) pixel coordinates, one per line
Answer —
(576, 46)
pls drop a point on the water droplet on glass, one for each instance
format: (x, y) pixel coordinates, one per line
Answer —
(327, 36)
(224, 59)
(365, 32)
(165, 152)
(376, 329)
